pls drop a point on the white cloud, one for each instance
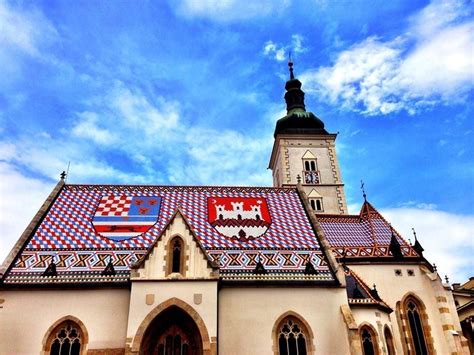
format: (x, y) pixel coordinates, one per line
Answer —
(25, 29)
(20, 199)
(229, 10)
(280, 52)
(447, 238)
(87, 127)
(150, 134)
(428, 64)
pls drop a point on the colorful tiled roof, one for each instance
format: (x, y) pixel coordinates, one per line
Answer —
(366, 235)
(80, 232)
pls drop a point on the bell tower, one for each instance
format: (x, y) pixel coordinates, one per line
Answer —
(305, 152)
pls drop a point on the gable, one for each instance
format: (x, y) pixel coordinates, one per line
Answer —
(314, 194)
(309, 155)
(156, 263)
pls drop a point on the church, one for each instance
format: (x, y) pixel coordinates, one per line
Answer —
(135, 269)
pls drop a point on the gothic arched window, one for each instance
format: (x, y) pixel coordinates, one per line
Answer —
(66, 338)
(415, 324)
(176, 252)
(369, 341)
(292, 337)
(389, 341)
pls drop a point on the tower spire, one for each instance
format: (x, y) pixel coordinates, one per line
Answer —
(294, 96)
(290, 66)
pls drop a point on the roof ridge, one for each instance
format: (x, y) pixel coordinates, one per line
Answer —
(187, 186)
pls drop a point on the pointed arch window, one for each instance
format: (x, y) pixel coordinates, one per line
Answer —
(67, 338)
(176, 255)
(389, 340)
(415, 324)
(292, 337)
(177, 251)
(369, 341)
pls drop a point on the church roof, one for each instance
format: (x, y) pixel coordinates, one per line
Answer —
(360, 294)
(77, 235)
(366, 235)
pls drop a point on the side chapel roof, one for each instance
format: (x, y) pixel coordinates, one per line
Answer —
(360, 294)
(364, 236)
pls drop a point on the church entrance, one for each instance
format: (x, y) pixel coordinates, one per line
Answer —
(172, 332)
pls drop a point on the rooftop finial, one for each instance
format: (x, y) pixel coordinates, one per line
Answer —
(63, 175)
(290, 65)
(416, 245)
(363, 190)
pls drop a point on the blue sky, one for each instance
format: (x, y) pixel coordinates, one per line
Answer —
(188, 92)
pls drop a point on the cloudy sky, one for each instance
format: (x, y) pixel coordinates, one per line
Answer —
(188, 92)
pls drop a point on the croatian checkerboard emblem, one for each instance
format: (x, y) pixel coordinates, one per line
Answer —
(125, 217)
(239, 218)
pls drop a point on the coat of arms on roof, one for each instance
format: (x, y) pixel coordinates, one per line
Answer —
(240, 218)
(124, 217)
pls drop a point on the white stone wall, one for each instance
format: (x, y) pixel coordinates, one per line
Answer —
(392, 289)
(247, 317)
(27, 315)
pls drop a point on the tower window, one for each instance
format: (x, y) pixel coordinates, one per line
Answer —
(316, 204)
(310, 164)
(310, 172)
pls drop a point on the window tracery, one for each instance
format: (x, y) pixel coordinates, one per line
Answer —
(369, 342)
(416, 327)
(67, 340)
(292, 338)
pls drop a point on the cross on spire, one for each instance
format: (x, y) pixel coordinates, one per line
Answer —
(363, 190)
(290, 65)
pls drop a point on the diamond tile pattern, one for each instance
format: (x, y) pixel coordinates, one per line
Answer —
(67, 235)
(364, 235)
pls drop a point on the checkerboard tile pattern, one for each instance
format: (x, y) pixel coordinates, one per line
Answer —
(67, 237)
(114, 206)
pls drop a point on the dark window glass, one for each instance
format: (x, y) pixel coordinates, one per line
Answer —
(176, 267)
(306, 165)
(67, 340)
(389, 341)
(416, 329)
(313, 166)
(291, 339)
(318, 205)
(367, 342)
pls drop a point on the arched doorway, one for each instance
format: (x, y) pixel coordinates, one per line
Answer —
(172, 332)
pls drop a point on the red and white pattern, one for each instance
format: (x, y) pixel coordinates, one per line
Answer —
(114, 206)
